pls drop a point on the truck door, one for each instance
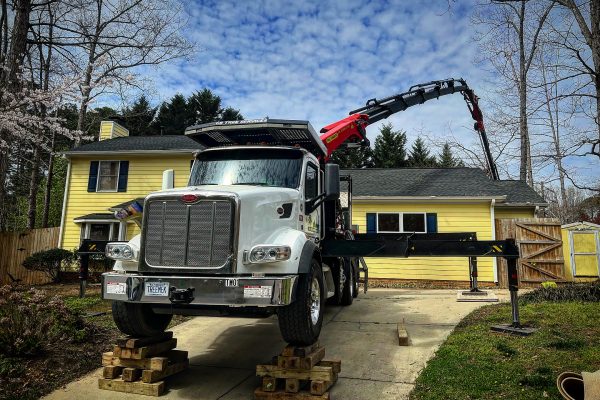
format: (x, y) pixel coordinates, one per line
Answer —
(311, 190)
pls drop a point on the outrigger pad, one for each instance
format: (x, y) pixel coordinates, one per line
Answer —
(513, 330)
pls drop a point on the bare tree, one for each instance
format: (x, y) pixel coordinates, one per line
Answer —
(106, 41)
(509, 42)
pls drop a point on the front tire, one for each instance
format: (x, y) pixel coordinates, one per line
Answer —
(137, 319)
(300, 322)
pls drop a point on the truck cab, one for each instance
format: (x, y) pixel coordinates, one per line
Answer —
(243, 238)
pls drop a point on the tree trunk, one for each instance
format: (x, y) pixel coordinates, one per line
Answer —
(48, 192)
(18, 42)
(525, 160)
(3, 171)
(33, 188)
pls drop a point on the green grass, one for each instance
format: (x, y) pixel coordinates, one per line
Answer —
(475, 363)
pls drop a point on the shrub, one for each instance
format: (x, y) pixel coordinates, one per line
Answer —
(566, 292)
(49, 261)
(30, 320)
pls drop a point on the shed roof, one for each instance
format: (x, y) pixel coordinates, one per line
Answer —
(174, 143)
(439, 182)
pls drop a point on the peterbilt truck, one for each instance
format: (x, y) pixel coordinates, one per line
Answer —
(261, 228)
(243, 238)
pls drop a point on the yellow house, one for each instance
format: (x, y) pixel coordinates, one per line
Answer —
(116, 170)
(119, 169)
(430, 200)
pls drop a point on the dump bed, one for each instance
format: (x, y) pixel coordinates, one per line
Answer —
(259, 131)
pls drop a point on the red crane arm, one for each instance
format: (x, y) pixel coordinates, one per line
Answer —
(352, 129)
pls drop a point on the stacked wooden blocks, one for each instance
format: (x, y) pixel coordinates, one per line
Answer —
(299, 373)
(139, 365)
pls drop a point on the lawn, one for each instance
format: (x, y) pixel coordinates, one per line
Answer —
(475, 363)
(29, 377)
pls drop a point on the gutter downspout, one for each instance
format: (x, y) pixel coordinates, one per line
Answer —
(493, 217)
(64, 206)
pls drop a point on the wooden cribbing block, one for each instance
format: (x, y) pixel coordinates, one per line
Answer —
(317, 373)
(292, 385)
(402, 335)
(291, 362)
(153, 363)
(119, 385)
(146, 351)
(304, 351)
(269, 384)
(259, 394)
(131, 374)
(320, 387)
(307, 362)
(131, 342)
(111, 371)
(149, 376)
(336, 365)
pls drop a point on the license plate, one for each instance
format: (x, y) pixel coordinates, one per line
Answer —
(157, 288)
(261, 292)
(116, 287)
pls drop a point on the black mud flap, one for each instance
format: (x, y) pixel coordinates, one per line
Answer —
(365, 270)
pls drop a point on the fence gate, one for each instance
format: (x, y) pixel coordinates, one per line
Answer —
(540, 246)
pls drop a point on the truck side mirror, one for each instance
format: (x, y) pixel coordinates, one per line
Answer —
(332, 181)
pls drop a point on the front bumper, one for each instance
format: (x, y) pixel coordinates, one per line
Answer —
(218, 291)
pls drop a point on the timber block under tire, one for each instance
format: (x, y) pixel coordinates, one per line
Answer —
(297, 323)
(137, 319)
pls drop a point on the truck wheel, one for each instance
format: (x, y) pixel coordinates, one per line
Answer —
(356, 272)
(348, 289)
(138, 319)
(300, 322)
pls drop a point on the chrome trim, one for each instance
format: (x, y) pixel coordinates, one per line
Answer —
(230, 265)
(209, 290)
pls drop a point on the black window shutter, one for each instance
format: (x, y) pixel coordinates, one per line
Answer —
(371, 223)
(93, 179)
(123, 172)
(432, 225)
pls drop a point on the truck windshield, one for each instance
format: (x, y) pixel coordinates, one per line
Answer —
(276, 167)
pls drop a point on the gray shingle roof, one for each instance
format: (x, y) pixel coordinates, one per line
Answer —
(441, 182)
(97, 216)
(140, 143)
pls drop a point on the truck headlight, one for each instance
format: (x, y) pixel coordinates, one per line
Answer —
(119, 251)
(269, 253)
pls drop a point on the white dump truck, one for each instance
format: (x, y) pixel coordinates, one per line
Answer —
(243, 238)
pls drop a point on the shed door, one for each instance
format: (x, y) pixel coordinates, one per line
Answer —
(585, 253)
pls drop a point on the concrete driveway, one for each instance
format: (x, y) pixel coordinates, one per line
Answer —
(224, 351)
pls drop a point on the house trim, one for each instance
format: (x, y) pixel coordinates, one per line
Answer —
(64, 206)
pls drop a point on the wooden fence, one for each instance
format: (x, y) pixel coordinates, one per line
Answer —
(16, 246)
(540, 246)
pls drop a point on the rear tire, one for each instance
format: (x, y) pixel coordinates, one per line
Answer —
(356, 271)
(137, 319)
(300, 322)
(348, 289)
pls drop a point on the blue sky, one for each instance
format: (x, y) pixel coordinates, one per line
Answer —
(318, 60)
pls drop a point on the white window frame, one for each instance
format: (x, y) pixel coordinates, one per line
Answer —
(401, 221)
(86, 227)
(98, 176)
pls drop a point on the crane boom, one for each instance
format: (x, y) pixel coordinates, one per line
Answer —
(352, 129)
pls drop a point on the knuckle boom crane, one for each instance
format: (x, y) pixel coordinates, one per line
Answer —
(352, 129)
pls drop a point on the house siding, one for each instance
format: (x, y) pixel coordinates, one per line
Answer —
(452, 217)
(514, 212)
(145, 176)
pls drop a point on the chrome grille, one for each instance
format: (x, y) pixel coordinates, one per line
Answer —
(179, 235)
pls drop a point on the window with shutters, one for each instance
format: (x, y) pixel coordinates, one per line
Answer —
(108, 176)
(405, 223)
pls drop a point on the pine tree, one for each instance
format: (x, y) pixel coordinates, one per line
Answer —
(173, 116)
(419, 155)
(138, 118)
(447, 160)
(204, 106)
(231, 114)
(390, 150)
(355, 157)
